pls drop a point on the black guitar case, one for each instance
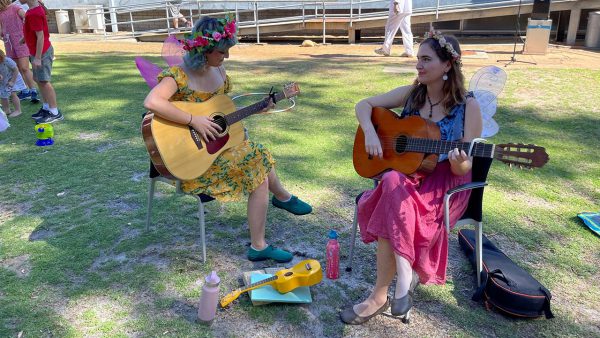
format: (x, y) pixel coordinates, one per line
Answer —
(504, 285)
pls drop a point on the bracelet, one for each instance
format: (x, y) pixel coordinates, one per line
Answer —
(191, 116)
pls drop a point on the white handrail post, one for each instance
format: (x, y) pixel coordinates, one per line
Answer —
(324, 22)
(131, 22)
(199, 9)
(351, 11)
(191, 15)
(359, 9)
(237, 13)
(303, 15)
(168, 21)
(256, 22)
(113, 17)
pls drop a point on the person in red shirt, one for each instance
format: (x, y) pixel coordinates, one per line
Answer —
(37, 39)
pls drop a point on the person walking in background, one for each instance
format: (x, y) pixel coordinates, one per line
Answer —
(400, 12)
(175, 9)
(37, 39)
(10, 83)
(11, 30)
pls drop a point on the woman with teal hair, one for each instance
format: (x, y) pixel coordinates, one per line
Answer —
(245, 169)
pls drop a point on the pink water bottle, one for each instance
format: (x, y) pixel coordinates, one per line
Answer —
(207, 308)
(333, 256)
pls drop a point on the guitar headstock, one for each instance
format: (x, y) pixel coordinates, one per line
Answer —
(291, 89)
(522, 155)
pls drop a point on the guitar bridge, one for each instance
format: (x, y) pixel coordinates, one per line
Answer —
(196, 137)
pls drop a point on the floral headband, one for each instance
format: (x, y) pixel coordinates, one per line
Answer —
(437, 35)
(200, 42)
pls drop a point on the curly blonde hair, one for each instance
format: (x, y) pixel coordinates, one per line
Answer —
(4, 4)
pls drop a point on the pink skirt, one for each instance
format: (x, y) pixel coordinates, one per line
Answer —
(409, 212)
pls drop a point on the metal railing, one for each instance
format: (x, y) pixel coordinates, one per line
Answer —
(351, 10)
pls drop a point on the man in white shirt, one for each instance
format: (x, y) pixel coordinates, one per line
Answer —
(400, 11)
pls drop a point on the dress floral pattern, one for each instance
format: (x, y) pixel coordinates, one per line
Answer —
(238, 170)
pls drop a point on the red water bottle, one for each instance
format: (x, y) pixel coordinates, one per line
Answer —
(333, 256)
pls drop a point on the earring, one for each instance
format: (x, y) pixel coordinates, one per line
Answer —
(445, 77)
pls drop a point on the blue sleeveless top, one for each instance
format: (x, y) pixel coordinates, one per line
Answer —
(452, 126)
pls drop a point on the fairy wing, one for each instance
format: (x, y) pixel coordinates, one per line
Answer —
(148, 70)
(486, 84)
(172, 51)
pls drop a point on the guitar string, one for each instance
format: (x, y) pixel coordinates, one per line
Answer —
(480, 149)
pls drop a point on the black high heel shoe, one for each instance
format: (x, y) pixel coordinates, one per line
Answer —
(401, 307)
(348, 316)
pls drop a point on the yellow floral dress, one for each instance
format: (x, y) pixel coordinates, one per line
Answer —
(235, 172)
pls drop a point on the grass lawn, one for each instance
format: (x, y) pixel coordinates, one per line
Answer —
(75, 259)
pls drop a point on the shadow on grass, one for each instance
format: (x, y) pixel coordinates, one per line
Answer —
(88, 232)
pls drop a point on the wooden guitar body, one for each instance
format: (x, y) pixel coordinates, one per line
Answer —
(178, 151)
(391, 130)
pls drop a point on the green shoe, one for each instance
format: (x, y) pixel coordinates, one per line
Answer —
(270, 252)
(295, 205)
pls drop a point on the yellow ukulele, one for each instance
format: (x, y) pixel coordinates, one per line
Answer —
(305, 273)
(178, 151)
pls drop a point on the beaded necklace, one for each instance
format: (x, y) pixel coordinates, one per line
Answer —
(431, 105)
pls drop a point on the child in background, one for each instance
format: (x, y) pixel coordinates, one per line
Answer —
(37, 39)
(11, 82)
(175, 9)
(11, 30)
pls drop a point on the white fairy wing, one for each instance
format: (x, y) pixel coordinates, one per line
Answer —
(486, 84)
(490, 127)
(490, 78)
(487, 102)
(172, 51)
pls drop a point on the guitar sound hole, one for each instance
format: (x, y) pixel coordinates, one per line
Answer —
(401, 143)
(220, 120)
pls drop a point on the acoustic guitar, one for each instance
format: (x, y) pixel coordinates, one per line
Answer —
(413, 144)
(179, 151)
(306, 273)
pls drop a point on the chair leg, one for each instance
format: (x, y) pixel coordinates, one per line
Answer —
(150, 199)
(479, 252)
(202, 229)
(353, 239)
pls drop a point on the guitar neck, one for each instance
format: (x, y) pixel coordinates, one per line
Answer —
(260, 283)
(251, 109)
(428, 146)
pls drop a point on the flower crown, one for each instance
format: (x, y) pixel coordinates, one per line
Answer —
(437, 35)
(200, 42)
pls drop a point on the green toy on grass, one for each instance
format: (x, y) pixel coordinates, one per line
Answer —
(44, 133)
